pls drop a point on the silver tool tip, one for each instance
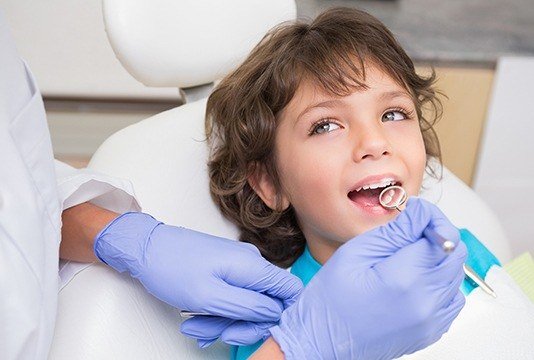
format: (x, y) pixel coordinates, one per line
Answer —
(448, 246)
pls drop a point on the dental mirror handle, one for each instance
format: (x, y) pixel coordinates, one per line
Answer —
(446, 245)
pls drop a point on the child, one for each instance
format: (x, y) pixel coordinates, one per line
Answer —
(310, 128)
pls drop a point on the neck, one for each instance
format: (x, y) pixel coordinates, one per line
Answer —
(322, 250)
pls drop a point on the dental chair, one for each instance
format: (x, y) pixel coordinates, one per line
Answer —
(187, 45)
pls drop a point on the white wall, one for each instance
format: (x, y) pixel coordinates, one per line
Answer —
(505, 172)
(65, 44)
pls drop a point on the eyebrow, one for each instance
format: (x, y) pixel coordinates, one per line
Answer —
(389, 95)
(394, 94)
(322, 104)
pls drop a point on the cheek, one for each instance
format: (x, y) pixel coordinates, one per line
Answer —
(302, 171)
(409, 139)
(414, 155)
(309, 172)
(420, 160)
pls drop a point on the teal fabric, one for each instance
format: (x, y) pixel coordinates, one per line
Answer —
(478, 257)
(305, 267)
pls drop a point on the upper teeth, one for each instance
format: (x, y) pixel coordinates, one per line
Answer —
(384, 183)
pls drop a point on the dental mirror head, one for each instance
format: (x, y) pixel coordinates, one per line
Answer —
(392, 197)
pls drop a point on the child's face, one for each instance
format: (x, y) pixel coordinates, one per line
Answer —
(373, 132)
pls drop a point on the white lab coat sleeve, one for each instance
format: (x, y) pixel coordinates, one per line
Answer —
(76, 186)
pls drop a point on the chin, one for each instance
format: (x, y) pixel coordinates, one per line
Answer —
(378, 221)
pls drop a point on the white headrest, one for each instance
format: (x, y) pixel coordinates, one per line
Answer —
(184, 43)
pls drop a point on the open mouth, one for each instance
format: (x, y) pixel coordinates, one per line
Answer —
(367, 195)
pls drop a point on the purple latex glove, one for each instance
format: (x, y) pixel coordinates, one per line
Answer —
(207, 329)
(385, 293)
(198, 272)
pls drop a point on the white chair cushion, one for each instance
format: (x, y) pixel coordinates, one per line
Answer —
(106, 315)
(188, 43)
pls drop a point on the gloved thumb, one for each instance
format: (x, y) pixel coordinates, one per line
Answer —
(407, 228)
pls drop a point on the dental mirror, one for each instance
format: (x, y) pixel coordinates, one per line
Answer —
(392, 197)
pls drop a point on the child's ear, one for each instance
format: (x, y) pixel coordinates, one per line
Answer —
(262, 184)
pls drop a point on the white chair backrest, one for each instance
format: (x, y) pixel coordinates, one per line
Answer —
(185, 43)
(165, 158)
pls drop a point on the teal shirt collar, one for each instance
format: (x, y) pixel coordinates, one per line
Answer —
(305, 267)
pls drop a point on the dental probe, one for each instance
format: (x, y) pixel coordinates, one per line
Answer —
(393, 197)
(189, 314)
(478, 280)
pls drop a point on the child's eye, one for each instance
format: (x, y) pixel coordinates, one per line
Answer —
(324, 126)
(394, 115)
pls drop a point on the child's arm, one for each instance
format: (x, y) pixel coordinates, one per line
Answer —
(269, 350)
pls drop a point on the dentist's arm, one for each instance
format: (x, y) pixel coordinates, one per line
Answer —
(187, 269)
(81, 224)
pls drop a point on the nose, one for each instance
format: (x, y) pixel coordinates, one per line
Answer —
(371, 143)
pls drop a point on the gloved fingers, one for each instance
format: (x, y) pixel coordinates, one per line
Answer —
(246, 333)
(448, 314)
(250, 247)
(205, 328)
(263, 277)
(413, 265)
(444, 318)
(450, 267)
(407, 228)
(409, 225)
(234, 302)
(449, 292)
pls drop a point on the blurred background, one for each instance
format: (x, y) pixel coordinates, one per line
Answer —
(88, 95)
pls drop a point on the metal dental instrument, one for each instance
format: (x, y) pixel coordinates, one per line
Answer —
(393, 197)
(478, 280)
(189, 314)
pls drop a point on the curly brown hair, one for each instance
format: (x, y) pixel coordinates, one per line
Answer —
(241, 115)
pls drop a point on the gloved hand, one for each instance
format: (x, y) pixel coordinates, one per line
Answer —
(198, 272)
(385, 293)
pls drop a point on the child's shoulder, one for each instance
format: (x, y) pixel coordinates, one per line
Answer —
(244, 352)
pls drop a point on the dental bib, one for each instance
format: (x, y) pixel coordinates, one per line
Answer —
(488, 328)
